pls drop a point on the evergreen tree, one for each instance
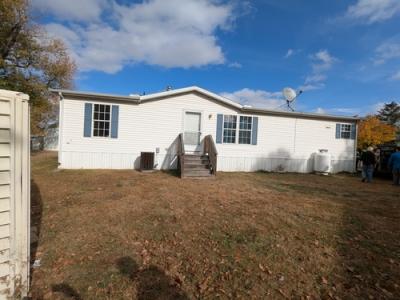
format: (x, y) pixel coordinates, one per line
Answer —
(390, 114)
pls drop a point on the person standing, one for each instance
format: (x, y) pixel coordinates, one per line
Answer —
(368, 160)
(394, 165)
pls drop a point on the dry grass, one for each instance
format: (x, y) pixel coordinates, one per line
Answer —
(128, 235)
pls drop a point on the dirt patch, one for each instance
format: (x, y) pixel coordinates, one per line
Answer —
(127, 235)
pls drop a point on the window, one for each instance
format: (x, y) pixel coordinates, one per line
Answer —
(101, 120)
(245, 130)
(345, 131)
(234, 126)
(229, 135)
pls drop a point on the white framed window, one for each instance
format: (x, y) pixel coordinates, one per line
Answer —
(245, 127)
(237, 129)
(345, 131)
(229, 133)
(101, 120)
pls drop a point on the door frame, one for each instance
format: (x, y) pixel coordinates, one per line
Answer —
(201, 112)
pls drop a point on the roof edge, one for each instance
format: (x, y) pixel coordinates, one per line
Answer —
(298, 114)
(150, 97)
(133, 98)
(188, 90)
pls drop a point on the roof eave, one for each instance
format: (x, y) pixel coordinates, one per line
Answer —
(96, 96)
(190, 89)
(299, 114)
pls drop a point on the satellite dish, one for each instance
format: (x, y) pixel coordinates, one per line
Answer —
(289, 94)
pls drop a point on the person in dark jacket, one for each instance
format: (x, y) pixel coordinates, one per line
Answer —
(368, 160)
(394, 165)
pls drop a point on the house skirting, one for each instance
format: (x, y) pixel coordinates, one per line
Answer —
(105, 160)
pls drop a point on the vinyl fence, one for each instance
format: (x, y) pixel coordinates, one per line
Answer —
(14, 195)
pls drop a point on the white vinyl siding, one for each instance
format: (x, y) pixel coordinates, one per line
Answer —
(284, 143)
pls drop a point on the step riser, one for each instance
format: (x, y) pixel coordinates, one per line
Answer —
(197, 167)
(195, 159)
(196, 173)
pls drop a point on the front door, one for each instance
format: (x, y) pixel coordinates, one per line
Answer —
(192, 131)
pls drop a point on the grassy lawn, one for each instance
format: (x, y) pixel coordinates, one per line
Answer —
(127, 235)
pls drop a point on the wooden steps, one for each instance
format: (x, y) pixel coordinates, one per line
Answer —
(196, 166)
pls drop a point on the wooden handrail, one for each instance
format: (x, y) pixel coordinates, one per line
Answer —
(181, 153)
(211, 150)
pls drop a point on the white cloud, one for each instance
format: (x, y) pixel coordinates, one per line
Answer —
(320, 110)
(235, 65)
(396, 76)
(289, 53)
(315, 78)
(388, 50)
(376, 107)
(351, 111)
(256, 98)
(170, 34)
(372, 11)
(321, 62)
(76, 10)
(312, 87)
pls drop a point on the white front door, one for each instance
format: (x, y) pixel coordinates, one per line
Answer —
(192, 131)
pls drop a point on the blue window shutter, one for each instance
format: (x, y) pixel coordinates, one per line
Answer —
(220, 120)
(338, 131)
(87, 126)
(254, 131)
(114, 121)
(353, 132)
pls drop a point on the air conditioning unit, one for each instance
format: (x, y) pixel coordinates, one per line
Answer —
(146, 161)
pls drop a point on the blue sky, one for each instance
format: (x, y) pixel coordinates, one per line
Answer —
(345, 55)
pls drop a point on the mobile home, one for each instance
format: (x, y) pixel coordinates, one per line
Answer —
(111, 131)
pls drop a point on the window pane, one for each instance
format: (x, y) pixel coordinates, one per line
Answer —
(345, 131)
(245, 122)
(244, 137)
(245, 129)
(101, 120)
(229, 134)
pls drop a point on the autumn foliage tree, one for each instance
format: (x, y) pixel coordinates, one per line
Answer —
(372, 132)
(30, 61)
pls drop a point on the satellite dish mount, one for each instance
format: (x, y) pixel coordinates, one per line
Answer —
(290, 96)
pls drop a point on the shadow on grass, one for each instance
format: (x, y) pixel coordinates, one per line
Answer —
(172, 172)
(36, 220)
(66, 290)
(153, 283)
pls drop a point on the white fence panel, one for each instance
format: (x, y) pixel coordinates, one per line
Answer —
(14, 195)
